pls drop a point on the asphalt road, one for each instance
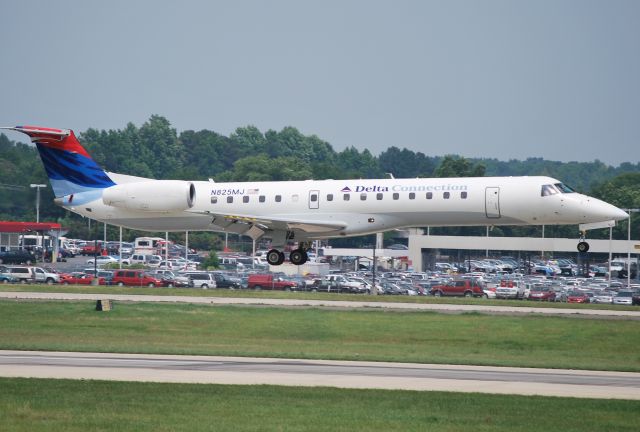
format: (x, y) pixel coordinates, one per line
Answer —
(291, 372)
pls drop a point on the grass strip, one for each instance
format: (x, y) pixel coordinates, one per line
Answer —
(226, 293)
(421, 337)
(66, 405)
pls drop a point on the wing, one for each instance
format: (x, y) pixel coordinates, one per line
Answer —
(256, 226)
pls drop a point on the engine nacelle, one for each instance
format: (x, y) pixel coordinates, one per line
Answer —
(152, 196)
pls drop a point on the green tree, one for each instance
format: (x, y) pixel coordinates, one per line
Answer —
(212, 260)
(456, 166)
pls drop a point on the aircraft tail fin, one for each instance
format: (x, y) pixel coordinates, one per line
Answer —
(69, 167)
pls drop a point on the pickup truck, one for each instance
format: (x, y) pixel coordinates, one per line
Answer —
(511, 289)
(460, 287)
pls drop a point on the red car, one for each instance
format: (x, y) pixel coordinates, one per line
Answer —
(542, 294)
(578, 297)
(79, 278)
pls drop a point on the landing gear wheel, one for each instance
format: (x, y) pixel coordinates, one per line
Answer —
(298, 257)
(275, 257)
(583, 247)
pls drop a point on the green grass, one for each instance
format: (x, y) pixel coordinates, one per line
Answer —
(423, 337)
(64, 405)
(191, 292)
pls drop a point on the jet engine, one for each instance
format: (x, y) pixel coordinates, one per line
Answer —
(152, 196)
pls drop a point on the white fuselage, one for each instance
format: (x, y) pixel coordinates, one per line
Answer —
(356, 207)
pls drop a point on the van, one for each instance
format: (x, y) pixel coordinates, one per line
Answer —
(134, 278)
(201, 279)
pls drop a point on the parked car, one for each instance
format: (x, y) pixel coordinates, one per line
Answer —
(201, 279)
(635, 298)
(103, 260)
(22, 274)
(623, 298)
(268, 281)
(7, 278)
(542, 293)
(18, 256)
(134, 278)
(460, 287)
(91, 248)
(226, 281)
(605, 297)
(510, 289)
(80, 278)
(578, 297)
(170, 279)
(45, 276)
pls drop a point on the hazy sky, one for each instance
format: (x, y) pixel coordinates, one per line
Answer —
(508, 79)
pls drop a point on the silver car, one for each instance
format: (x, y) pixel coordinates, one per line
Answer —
(602, 297)
(623, 298)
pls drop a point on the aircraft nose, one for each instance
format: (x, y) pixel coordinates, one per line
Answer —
(606, 211)
(620, 214)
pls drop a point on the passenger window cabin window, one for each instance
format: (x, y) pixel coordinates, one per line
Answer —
(379, 196)
(262, 198)
(429, 195)
(245, 199)
(278, 198)
(346, 197)
(463, 195)
(363, 197)
(294, 198)
(396, 196)
(214, 200)
(229, 199)
(314, 198)
(446, 195)
(329, 197)
(412, 195)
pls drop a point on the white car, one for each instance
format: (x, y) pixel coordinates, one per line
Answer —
(489, 293)
(103, 260)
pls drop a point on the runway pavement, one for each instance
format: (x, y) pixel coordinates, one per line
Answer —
(453, 308)
(343, 374)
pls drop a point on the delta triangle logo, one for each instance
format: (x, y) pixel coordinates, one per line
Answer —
(345, 189)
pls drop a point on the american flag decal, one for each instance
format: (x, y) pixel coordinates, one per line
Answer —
(252, 191)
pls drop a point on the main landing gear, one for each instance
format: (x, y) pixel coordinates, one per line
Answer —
(297, 256)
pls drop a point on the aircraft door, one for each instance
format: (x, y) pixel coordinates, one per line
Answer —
(314, 199)
(492, 202)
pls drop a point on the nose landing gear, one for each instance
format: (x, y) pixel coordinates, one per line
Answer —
(583, 246)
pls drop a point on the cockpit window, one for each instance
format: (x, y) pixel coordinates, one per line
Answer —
(548, 190)
(564, 188)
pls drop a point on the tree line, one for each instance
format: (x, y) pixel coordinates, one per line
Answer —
(157, 150)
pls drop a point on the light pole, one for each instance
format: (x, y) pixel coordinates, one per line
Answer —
(38, 186)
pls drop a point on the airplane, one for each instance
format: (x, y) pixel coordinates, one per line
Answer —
(303, 211)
